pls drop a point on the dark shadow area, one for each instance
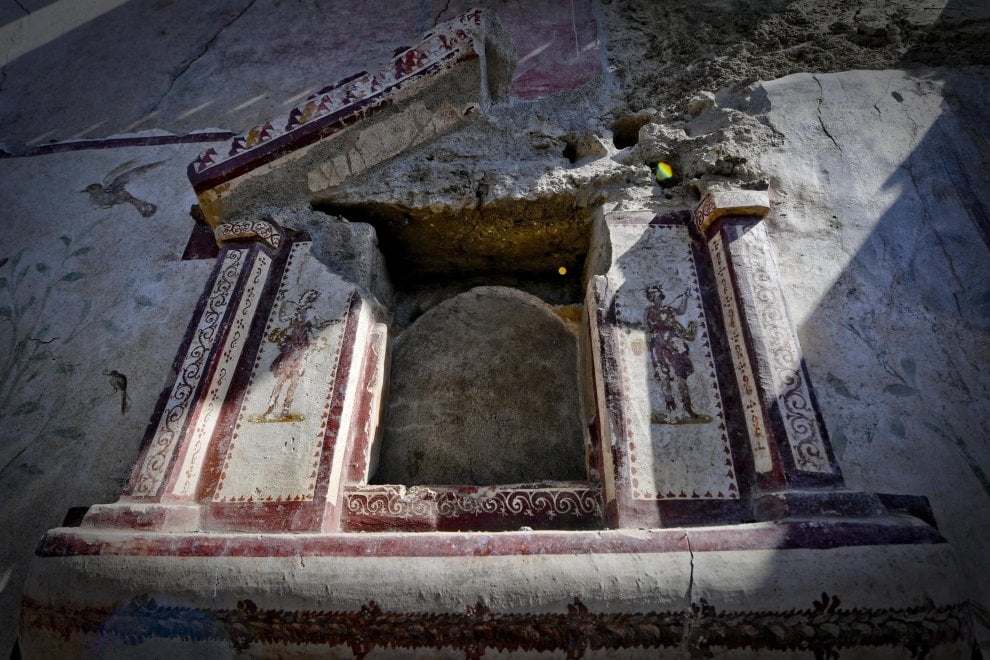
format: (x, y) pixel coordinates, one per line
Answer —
(625, 129)
(183, 66)
(910, 310)
(511, 236)
(537, 247)
(18, 9)
(110, 72)
(927, 253)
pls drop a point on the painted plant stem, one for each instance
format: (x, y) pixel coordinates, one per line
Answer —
(27, 346)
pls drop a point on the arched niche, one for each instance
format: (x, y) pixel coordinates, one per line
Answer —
(484, 390)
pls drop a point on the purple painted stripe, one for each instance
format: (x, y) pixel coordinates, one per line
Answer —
(116, 143)
(950, 161)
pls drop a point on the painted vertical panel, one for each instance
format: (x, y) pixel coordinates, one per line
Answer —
(216, 391)
(775, 344)
(278, 437)
(152, 473)
(752, 410)
(676, 438)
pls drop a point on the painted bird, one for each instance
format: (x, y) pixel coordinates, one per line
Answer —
(119, 383)
(112, 191)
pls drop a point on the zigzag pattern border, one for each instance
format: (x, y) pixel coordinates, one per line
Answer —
(337, 105)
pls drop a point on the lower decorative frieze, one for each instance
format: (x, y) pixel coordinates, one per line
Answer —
(824, 628)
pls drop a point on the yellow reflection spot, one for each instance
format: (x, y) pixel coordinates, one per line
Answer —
(664, 171)
(562, 270)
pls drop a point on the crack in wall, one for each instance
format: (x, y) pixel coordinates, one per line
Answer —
(577, 46)
(690, 591)
(436, 19)
(687, 643)
(915, 128)
(16, 456)
(927, 216)
(821, 121)
(206, 47)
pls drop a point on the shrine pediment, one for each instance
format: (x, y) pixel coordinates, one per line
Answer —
(447, 78)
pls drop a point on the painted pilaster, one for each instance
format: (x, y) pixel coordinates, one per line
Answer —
(796, 471)
(279, 378)
(788, 440)
(277, 459)
(669, 425)
(159, 493)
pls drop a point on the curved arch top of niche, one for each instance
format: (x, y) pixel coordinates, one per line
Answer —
(484, 390)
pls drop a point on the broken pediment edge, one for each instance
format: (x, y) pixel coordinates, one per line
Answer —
(453, 74)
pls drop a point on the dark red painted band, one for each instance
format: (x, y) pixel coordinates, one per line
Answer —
(775, 536)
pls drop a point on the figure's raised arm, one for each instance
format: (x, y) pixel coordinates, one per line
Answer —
(321, 324)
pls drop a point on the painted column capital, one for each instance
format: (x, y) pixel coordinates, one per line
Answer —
(718, 203)
(264, 230)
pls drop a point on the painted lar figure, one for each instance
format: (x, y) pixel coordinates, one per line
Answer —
(670, 353)
(289, 365)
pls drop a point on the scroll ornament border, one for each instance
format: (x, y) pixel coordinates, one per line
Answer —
(152, 474)
(824, 628)
(216, 393)
(780, 345)
(398, 501)
(264, 230)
